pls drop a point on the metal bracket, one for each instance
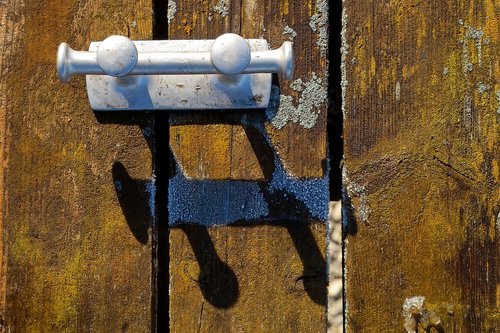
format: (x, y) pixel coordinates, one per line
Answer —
(226, 73)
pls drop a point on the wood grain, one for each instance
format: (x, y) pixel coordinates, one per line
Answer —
(256, 275)
(301, 150)
(421, 168)
(76, 225)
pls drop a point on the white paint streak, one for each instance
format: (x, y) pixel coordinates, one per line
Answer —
(171, 10)
(398, 91)
(319, 23)
(282, 111)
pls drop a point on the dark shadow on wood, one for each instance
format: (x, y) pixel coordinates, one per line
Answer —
(263, 151)
(285, 210)
(133, 196)
(350, 227)
(217, 280)
(314, 275)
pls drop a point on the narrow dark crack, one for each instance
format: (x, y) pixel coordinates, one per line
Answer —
(451, 169)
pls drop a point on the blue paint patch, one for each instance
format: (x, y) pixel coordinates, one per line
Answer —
(313, 193)
(211, 202)
(221, 202)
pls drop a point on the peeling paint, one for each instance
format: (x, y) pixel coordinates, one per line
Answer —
(282, 111)
(415, 313)
(319, 23)
(289, 32)
(398, 91)
(355, 190)
(222, 8)
(446, 71)
(171, 10)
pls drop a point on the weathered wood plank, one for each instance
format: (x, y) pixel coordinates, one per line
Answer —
(77, 254)
(252, 168)
(421, 168)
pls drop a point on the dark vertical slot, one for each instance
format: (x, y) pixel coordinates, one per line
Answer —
(161, 160)
(335, 119)
(160, 20)
(162, 171)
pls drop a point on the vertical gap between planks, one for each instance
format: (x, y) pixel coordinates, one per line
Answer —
(335, 154)
(335, 119)
(161, 160)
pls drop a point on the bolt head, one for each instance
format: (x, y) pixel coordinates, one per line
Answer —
(117, 56)
(230, 54)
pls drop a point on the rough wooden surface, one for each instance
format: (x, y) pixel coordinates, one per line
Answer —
(76, 245)
(302, 150)
(252, 276)
(421, 168)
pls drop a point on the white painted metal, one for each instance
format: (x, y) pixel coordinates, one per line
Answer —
(117, 56)
(177, 74)
(230, 54)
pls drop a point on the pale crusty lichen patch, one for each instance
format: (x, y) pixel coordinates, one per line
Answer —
(222, 8)
(289, 32)
(319, 23)
(171, 10)
(282, 110)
